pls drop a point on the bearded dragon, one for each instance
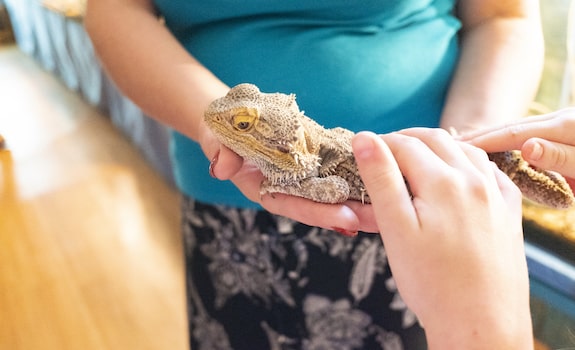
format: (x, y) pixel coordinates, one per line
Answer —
(299, 157)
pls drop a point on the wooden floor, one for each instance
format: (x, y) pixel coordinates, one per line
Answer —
(90, 252)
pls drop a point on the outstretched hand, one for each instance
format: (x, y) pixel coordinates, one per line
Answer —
(454, 241)
(545, 141)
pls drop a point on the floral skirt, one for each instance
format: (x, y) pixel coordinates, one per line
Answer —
(260, 281)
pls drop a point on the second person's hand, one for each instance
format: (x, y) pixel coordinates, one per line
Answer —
(545, 141)
(454, 241)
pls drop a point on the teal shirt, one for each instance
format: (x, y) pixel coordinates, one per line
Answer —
(378, 65)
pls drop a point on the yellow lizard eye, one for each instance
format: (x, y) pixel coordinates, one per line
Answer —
(243, 125)
(245, 119)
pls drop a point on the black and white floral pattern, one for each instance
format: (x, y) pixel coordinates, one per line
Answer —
(258, 281)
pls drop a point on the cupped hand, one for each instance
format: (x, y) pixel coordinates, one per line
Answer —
(545, 141)
(454, 241)
(227, 165)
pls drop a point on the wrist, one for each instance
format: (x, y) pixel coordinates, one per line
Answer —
(498, 331)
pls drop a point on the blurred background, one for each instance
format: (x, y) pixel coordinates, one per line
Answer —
(90, 253)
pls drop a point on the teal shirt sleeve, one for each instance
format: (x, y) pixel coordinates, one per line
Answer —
(378, 65)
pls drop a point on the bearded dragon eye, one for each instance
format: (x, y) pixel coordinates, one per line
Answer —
(245, 119)
(243, 125)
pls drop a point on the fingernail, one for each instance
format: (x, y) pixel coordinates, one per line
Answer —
(344, 231)
(362, 146)
(213, 164)
(536, 151)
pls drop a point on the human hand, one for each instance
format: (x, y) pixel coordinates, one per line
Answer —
(545, 141)
(456, 247)
(337, 217)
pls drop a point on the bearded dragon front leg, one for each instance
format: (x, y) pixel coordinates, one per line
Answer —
(539, 185)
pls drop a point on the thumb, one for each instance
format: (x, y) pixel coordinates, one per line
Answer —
(225, 164)
(383, 180)
(550, 156)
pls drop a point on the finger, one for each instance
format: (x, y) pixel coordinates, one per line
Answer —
(365, 215)
(442, 144)
(513, 199)
(420, 166)
(225, 164)
(478, 158)
(509, 191)
(526, 120)
(336, 217)
(550, 156)
(509, 137)
(513, 135)
(382, 177)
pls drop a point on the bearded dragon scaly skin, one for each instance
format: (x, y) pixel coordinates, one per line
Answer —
(299, 157)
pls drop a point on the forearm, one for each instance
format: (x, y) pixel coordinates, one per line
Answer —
(501, 330)
(149, 65)
(498, 73)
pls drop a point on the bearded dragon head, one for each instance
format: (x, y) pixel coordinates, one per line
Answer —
(267, 129)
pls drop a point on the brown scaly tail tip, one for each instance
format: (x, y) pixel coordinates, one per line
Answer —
(541, 186)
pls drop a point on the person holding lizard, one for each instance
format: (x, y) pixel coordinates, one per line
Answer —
(257, 280)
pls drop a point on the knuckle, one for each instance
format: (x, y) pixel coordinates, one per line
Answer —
(563, 122)
(440, 133)
(478, 187)
(515, 130)
(559, 156)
